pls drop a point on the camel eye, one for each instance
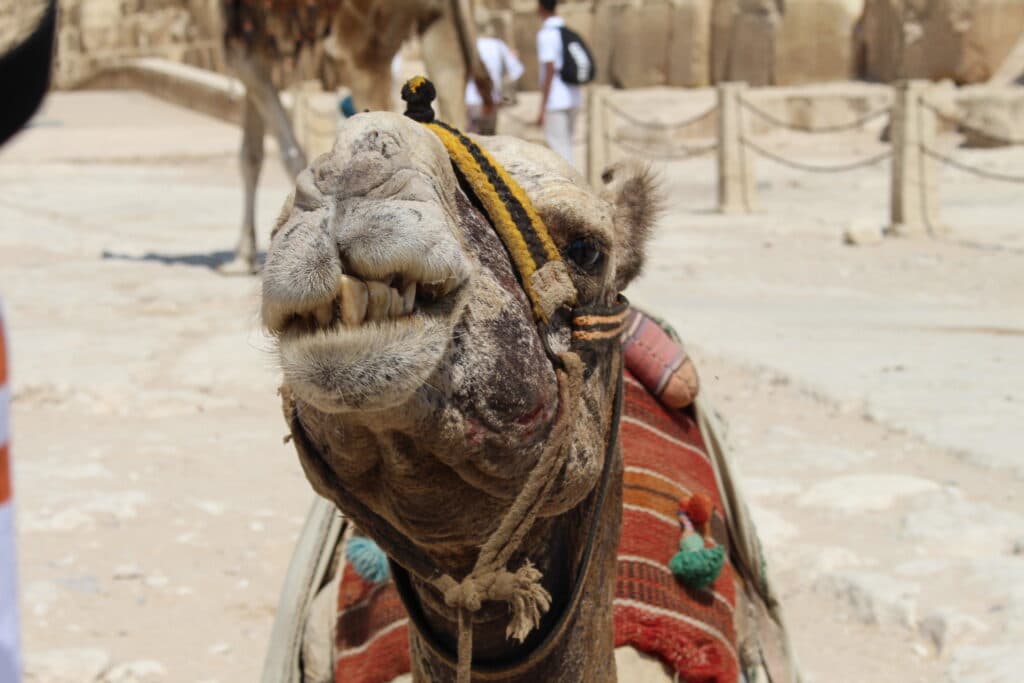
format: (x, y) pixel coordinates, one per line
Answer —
(585, 253)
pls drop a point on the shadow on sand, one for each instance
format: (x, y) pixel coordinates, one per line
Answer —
(212, 260)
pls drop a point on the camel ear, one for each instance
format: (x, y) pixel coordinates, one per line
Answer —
(636, 195)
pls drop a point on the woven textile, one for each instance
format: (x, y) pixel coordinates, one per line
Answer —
(691, 631)
(279, 27)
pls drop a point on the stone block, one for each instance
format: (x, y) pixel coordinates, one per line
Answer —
(641, 45)
(816, 41)
(689, 49)
(743, 36)
(963, 40)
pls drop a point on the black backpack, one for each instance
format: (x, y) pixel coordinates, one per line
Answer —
(577, 60)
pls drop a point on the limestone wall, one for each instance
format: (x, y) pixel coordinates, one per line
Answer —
(94, 34)
(692, 43)
(962, 40)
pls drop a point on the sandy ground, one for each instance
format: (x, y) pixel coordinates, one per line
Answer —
(873, 395)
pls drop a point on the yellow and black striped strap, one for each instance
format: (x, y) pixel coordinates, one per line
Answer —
(542, 272)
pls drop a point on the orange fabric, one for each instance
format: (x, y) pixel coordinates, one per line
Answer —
(5, 474)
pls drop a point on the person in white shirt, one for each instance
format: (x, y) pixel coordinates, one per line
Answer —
(560, 103)
(500, 61)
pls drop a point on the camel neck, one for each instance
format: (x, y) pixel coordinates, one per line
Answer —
(580, 648)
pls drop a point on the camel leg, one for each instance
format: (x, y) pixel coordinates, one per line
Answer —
(445, 66)
(261, 91)
(250, 162)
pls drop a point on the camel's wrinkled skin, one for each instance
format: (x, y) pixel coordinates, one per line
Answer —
(365, 37)
(435, 419)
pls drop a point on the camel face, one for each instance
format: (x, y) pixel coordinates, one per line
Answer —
(406, 339)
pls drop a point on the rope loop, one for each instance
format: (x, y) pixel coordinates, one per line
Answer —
(837, 128)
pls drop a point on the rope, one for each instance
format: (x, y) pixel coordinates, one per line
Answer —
(489, 579)
(974, 170)
(961, 123)
(674, 155)
(814, 168)
(660, 125)
(837, 128)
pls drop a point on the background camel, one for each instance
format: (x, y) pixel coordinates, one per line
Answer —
(422, 396)
(364, 36)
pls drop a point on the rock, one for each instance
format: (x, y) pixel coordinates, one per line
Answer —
(219, 649)
(78, 665)
(865, 492)
(991, 531)
(138, 671)
(935, 39)
(993, 117)
(126, 572)
(743, 36)
(999, 663)
(874, 598)
(945, 628)
(814, 42)
(863, 232)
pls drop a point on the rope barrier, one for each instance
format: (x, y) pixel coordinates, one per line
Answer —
(974, 170)
(814, 168)
(837, 128)
(674, 155)
(659, 125)
(961, 123)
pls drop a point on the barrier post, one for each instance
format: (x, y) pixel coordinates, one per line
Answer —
(736, 189)
(913, 197)
(597, 133)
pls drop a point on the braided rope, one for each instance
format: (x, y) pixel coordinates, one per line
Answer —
(660, 125)
(673, 155)
(973, 170)
(815, 168)
(961, 123)
(836, 128)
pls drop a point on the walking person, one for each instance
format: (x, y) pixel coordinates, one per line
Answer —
(500, 62)
(560, 102)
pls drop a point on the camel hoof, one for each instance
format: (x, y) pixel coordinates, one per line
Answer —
(238, 266)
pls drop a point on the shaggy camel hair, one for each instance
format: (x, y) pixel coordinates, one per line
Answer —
(418, 378)
(364, 37)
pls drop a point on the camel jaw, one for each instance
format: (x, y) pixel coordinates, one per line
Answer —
(338, 365)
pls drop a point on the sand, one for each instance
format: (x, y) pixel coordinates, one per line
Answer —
(873, 396)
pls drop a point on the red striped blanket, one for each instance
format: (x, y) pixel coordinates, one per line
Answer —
(665, 464)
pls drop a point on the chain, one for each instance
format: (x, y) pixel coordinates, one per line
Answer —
(974, 170)
(814, 168)
(674, 155)
(852, 125)
(660, 125)
(961, 123)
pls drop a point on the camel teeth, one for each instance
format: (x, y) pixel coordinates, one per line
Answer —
(408, 298)
(323, 314)
(448, 286)
(353, 298)
(379, 300)
(395, 309)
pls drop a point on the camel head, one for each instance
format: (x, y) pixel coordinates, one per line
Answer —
(411, 355)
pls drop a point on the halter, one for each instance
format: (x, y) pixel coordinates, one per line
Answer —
(546, 282)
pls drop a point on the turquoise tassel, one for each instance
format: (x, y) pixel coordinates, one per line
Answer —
(367, 559)
(697, 568)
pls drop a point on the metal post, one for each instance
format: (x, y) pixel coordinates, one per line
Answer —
(736, 189)
(913, 200)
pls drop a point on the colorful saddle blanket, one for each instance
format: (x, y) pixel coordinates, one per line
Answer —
(666, 466)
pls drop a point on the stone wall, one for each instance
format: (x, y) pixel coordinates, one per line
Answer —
(95, 34)
(692, 43)
(962, 40)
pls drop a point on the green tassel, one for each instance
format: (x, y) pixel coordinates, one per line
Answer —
(698, 568)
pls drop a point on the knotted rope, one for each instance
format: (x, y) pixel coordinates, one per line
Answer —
(490, 579)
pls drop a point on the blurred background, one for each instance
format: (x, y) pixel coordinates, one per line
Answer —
(843, 256)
